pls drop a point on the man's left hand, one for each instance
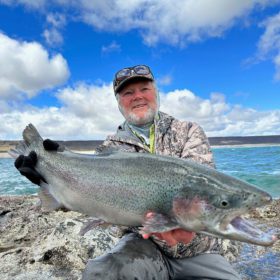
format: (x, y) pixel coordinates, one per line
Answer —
(173, 237)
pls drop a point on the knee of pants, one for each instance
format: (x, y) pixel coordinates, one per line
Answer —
(108, 267)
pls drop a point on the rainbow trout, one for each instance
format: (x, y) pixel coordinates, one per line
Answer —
(122, 187)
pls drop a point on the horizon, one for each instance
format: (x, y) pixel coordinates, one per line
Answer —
(216, 63)
(209, 137)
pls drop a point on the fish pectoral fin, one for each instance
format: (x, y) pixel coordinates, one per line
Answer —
(48, 202)
(157, 222)
(92, 223)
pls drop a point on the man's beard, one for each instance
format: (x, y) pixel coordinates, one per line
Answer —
(139, 121)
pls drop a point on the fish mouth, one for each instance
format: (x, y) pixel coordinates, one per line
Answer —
(245, 231)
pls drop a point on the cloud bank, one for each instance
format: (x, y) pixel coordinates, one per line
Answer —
(171, 22)
(91, 112)
(176, 23)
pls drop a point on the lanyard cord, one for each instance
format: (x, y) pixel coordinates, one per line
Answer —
(152, 139)
(151, 147)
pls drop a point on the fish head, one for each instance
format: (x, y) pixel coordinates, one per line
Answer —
(216, 209)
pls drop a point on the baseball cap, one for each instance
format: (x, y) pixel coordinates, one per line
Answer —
(129, 74)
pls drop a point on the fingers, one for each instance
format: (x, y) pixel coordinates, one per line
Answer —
(166, 236)
(31, 175)
(183, 236)
(50, 145)
(19, 161)
(26, 167)
(173, 237)
(146, 235)
(26, 161)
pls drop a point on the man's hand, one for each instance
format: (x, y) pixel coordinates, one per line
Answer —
(173, 237)
(26, 167)
(26, 164)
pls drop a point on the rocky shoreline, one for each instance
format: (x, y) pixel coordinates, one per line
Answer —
(48, 245)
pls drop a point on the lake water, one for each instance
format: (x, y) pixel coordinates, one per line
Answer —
(256, 165)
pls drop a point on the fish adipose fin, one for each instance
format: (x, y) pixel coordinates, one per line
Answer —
(157, 222)
(47, 200)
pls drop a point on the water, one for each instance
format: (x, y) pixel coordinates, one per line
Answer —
(11, 182)
(257, 165)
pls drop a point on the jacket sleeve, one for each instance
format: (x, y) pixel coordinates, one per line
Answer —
(197, 146)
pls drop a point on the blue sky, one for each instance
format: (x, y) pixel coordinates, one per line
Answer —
(216, 62)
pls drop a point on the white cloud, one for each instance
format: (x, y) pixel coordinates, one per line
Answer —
(277, 66)
(171, 22)
(219, 118)
(87, 112)
(164, 80)
(113, 47)
(52, 34)
(91, 112)
(33, 4)
(53, 37)
(269, 43)
(184, 103)
(27, 68)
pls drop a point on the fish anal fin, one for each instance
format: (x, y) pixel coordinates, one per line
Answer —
(48, 202)
(157, 222)
(92, 223)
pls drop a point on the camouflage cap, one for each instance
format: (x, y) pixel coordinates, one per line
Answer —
(131, 74)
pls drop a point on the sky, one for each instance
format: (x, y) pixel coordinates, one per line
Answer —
(216, 62)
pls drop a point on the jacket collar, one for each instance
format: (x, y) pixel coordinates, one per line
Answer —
(124, 134)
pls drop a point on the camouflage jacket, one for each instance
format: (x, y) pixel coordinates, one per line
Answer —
(178, 139)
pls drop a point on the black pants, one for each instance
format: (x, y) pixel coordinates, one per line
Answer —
(135, 258)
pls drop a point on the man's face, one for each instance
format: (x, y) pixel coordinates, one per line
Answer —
(138, 102)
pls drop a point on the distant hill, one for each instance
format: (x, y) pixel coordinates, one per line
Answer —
(244, 140)
(214, 141)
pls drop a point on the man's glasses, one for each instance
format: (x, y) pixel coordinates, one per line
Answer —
(139, 70)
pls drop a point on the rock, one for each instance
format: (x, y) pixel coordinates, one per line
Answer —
(257, 262)
(49, 245)
(40, 245)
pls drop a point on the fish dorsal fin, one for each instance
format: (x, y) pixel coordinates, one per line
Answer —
(30, 134)
(47, 200)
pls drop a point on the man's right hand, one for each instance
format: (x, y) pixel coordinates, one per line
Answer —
(26, 164)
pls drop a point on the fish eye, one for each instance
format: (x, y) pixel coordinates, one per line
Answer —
(224, 204)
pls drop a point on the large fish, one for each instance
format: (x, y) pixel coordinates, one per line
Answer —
(121, 188)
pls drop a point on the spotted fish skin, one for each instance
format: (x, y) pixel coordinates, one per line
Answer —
(122, 187)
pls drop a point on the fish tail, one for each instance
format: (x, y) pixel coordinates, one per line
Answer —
(20, 149)
(30, 136)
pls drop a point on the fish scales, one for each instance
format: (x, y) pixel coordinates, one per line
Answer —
(121, 188)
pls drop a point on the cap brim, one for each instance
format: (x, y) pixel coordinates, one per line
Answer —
(131, 79)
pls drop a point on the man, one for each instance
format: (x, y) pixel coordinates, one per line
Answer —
(172, 255)
(176, 254)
